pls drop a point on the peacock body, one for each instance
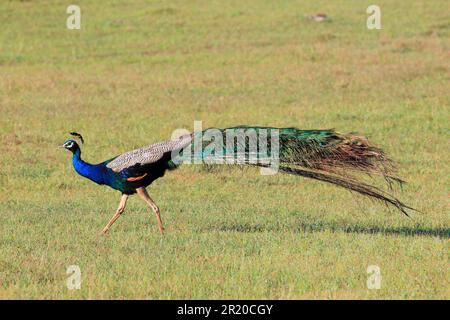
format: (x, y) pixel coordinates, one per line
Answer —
(323, 155)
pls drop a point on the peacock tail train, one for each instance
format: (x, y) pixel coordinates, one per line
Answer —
(323, 155)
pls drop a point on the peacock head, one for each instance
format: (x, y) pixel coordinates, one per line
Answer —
(72, 145)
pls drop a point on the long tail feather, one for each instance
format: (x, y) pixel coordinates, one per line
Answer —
(352, 185)
(324, 155)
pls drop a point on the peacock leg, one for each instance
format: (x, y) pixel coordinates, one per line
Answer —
(142, 192)
(120, 210)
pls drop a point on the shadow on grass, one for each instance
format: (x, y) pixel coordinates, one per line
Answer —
(324, 226)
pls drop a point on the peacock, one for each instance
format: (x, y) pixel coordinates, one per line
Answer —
(324, 155)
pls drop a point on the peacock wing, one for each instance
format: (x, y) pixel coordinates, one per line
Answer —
(134, 162)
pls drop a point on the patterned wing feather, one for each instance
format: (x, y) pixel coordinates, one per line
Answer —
(148, 154)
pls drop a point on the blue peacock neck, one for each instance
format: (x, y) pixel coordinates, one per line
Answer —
(87, 170)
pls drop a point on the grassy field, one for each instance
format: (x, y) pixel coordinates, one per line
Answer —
(137, 70)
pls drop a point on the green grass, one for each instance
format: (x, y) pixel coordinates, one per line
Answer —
(138, 70)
